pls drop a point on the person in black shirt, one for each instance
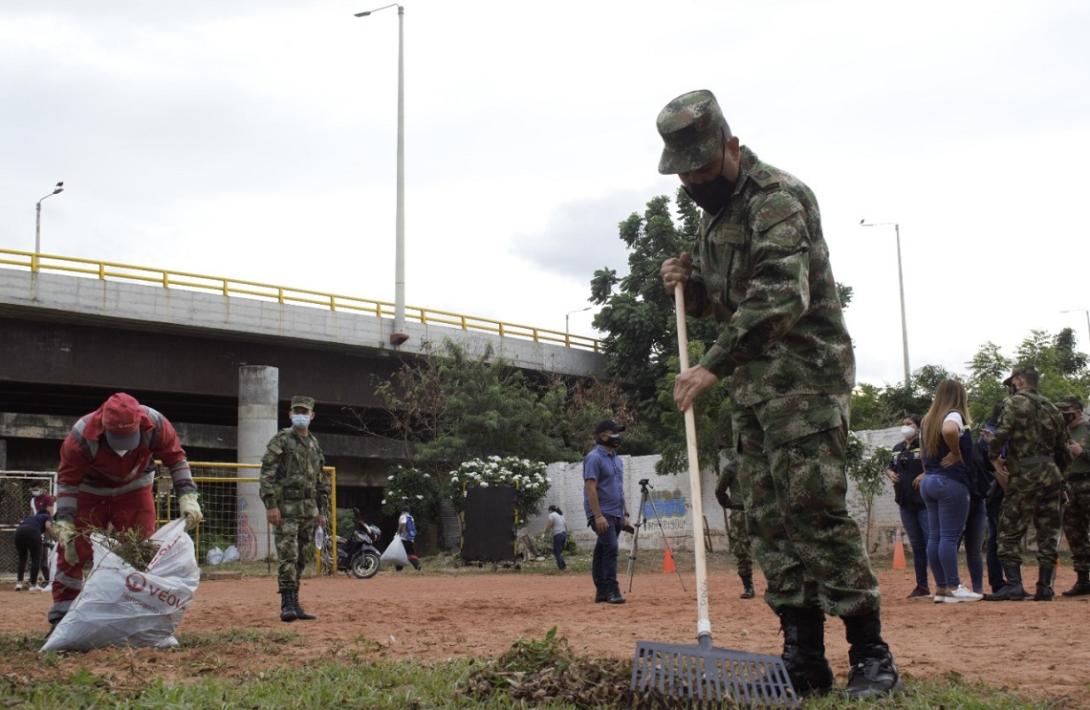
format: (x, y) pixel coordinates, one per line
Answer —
(905, 472)
(28, 543)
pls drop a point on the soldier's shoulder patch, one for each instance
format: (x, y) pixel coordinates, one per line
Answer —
(764, 177)
(775, 208)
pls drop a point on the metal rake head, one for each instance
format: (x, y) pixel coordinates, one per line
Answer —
(712, 675)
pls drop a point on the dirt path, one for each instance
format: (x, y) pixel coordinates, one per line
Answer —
(1040, 649)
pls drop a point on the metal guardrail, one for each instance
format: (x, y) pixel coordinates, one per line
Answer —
(109, 270)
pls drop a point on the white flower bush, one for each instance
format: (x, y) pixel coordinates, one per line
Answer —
(525, 476)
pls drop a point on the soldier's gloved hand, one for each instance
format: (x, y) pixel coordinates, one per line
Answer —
(191, 510)
(723, 497)
(65, 532)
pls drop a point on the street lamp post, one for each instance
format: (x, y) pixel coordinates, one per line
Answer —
(398, 336)
(57, 189)
(567, 328)
(901, 285)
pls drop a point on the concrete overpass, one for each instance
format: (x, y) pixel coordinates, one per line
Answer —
(73, 330)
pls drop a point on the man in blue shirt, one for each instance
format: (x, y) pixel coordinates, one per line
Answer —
(603, 502)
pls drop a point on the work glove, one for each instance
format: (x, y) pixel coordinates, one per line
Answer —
(722, 492)
(65, 532)
(191, 510)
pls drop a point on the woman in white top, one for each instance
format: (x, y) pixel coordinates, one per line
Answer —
(559, 529)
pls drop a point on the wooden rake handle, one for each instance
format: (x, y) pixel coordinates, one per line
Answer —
(703, 621)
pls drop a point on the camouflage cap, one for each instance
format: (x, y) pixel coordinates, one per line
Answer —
(692, 127)
(1027, 371)
(302, 401)
(1069, 403)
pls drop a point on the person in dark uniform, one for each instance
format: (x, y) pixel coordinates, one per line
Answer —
(905, 471)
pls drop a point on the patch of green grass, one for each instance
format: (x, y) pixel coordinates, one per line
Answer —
(266, 638)
(950, 692)
(15, 643)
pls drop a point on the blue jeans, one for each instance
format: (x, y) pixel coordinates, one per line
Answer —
(559, 540)
(604, 564)
(947, 504)
(915, 524)
(976, 525)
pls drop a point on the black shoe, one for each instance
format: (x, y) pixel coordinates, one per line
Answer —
(615, 597)
(873, 671)
(1012, 591)
(747, 586)
(601, 597)
(299, 613)
(1082, 586)
(804, 651)
(287, 606)
(1045, 575)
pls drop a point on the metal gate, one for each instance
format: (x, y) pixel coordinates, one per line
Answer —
(14, 506)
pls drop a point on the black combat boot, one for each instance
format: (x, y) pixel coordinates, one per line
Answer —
(873, 672)
(804, 651)
(1012, 591)
(1045, 575)
(747, 586)
(299, 613)
(287, 605)
(1082, 585)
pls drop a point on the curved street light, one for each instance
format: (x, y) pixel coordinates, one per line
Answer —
(57, 189)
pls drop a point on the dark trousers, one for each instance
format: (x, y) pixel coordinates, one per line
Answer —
(28, 543)
(604, 564)
(995, 567)
(915, 524)
(559, 540)
(947, 504)
(976, 526)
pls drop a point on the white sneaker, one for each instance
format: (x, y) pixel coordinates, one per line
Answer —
(961, 594)
(18, 586)
(942, 594)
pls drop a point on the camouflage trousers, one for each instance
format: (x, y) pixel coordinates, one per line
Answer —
(1032, 496)
(792, 467)
(294, 550)
(740, 544)
(1077, 522)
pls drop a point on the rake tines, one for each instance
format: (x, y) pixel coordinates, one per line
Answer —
(712, 675)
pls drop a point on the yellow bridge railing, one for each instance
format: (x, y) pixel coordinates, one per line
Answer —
(109, 270)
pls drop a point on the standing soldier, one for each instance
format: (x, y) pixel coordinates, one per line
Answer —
(1036, 439)
(296, 495)
(105, 479)
(728, 493)
(1077, 514)
(761, 269)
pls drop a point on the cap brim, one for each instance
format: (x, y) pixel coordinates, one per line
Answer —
(123, 442)
(672, 163)
(1007, 382)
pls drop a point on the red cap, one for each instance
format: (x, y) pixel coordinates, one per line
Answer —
(121, 415)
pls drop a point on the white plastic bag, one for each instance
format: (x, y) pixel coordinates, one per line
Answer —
(395, 552)
(122, 606)
(214, 556)
(231, 554)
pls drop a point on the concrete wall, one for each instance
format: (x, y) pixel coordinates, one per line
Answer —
(73, 297)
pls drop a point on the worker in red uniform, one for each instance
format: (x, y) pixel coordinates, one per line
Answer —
(105, 478)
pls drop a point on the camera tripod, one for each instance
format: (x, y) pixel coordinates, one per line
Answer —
(641, 520)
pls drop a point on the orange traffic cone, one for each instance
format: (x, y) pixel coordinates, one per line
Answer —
(898, 552)
(668, 566)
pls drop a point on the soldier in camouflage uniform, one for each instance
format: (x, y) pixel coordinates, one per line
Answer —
(1076, 516)
(1036, 439)
(761, 269)
(296, 495)
(729, 494)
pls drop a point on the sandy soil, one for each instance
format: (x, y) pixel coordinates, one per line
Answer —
(1038, 649)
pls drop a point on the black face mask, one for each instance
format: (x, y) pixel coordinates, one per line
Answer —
(612, 441)
(711, 196)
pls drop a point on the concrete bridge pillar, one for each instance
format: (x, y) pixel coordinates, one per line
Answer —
(258, 398)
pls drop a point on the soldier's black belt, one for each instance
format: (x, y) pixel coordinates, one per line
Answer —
(1034, 460)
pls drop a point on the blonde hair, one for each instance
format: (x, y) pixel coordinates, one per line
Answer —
(950, 396)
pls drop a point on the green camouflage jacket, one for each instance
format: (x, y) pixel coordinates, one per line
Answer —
(761, 268)
(1033, 431)
(1080, 464)
(291, 476)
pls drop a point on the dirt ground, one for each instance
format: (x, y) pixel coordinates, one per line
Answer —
(1034, 648)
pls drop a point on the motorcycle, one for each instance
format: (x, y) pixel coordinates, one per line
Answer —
(357, 555)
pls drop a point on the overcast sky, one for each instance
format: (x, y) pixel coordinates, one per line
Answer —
(257, 140)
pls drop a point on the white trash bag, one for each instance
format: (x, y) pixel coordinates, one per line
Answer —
(121, 606)
(231, 554)
(395, 552)
(214, 556)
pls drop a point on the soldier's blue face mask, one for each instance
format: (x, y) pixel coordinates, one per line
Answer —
(712, 196)
(300, 421)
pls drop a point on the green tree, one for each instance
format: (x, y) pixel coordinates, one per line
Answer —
(711, 413)
(868, 473)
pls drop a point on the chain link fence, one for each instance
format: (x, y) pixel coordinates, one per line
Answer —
(15, 487)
